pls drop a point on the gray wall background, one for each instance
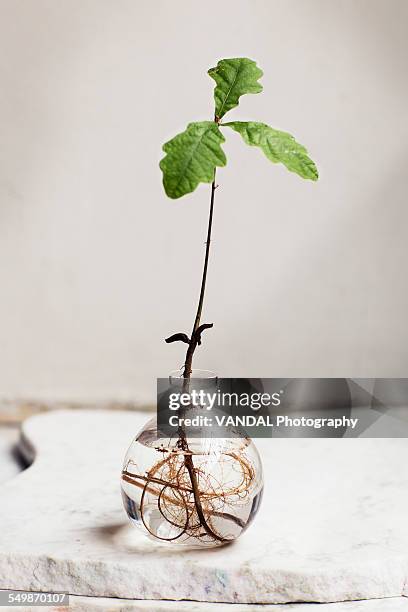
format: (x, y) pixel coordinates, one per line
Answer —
(97, 266)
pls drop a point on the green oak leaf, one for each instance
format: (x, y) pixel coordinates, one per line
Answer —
(234, 77)
(278, 147)
(191, 158)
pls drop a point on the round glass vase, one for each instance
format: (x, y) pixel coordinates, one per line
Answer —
(200, 491)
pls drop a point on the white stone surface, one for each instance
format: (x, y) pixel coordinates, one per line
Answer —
(333, 525)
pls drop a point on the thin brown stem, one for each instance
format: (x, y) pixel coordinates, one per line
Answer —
(193, 342)
(188, 460)
(195, 339)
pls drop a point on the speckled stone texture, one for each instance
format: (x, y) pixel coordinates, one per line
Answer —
(332, 526)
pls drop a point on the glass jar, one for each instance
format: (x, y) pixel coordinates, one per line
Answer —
(193, 491)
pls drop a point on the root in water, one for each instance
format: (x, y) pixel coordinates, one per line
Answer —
(201, 501)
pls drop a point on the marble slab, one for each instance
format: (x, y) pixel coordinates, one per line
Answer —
(333, 525)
